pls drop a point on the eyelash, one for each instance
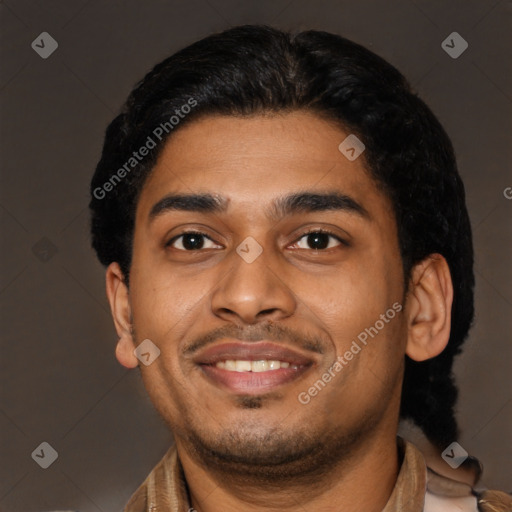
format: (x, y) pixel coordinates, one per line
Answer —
(314, 230)
(325, 232)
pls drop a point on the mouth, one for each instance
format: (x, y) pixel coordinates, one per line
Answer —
(252, 368)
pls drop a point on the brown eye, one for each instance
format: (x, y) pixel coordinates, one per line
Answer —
(319, 240)
(191, 241)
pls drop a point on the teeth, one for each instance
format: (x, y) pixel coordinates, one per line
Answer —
(274, 365)
(253, 366)
(259, 366)
(230, 365)
(243, 366)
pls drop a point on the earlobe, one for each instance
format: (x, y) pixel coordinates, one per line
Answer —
(429, 306)
(124, 352)
(118, 297)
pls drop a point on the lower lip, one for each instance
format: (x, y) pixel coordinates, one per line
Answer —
(252, 382)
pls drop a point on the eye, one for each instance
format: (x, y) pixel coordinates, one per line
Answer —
(191, 241)
(319, 240)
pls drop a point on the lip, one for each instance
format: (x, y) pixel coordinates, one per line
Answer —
(252, 382)
(251, 351)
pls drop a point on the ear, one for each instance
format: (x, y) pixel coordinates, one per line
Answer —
(118, 297)
(429, 306)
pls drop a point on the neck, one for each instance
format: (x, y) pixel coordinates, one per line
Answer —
(360, 480)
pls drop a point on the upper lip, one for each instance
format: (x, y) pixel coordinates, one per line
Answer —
(251, 351)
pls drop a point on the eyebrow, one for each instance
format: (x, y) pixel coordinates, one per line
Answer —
(300, 202)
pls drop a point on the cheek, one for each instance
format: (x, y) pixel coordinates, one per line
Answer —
(162, 298)
(351, 298)
(355, 305)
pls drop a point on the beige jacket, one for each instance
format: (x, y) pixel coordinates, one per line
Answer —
(417, 489)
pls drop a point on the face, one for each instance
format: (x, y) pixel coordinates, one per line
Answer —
(253, 293)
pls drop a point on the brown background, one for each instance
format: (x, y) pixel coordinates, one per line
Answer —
(60, 380)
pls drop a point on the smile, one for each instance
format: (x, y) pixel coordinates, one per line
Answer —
(252, 367)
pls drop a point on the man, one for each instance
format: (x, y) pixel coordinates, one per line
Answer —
(290, 258)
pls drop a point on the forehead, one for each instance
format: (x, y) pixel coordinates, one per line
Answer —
(251, 161)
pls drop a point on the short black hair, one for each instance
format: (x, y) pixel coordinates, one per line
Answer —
(251, 70)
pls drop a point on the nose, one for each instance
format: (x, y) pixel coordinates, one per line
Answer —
(252, 292)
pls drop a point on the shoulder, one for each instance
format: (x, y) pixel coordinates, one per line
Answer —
(453, 489)
(494, 501)
(436, 503)
(447, 495)
(142, 499)
(486, 501)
